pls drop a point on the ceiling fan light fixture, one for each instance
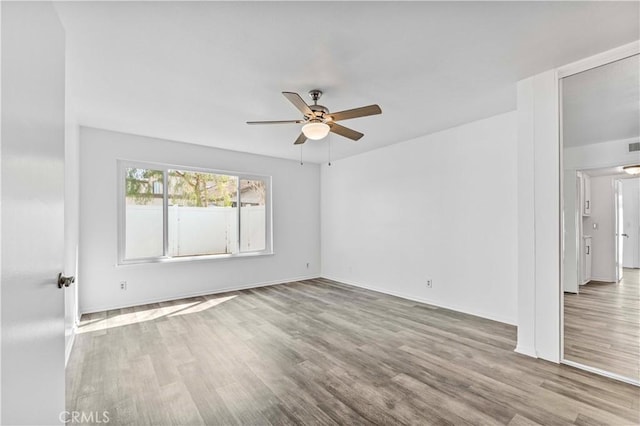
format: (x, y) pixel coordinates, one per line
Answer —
(318, 121)
(632, 170)
(316, 130)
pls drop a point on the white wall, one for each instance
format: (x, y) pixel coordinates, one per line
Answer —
(603, 237)
(296, 224)
(440, 207)
(600, 155)
(631, 220)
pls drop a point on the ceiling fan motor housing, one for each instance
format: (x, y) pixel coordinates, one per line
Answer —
(319, 110)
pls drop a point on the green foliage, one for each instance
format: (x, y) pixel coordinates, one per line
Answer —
(192, 189)
(197, 189)
(140, 183)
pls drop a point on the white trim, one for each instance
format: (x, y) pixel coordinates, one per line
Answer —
(457, 308)
(178, 259)
(546, 219)
(526, 350)
(600, 59)
(618, 260)
(69, 346)
(603, 279)
(0, 218)
(561, 224)
(197, 293)
(601, 372)
(165, 215)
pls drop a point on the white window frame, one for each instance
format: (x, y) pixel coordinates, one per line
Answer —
(122, 165)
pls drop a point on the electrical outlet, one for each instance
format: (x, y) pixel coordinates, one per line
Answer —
(123, 285)
(429, 283)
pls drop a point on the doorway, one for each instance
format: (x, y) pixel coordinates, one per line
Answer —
(601, 306)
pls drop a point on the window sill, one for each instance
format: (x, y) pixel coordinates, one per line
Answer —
(210, 257)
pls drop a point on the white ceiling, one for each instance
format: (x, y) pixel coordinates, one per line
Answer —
(602, 104)
(196, 71)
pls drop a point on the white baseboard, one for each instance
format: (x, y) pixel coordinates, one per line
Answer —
(450, 306)
(93, 309)
(526, 350)
(604, 279)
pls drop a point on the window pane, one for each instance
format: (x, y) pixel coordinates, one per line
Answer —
(203, 213)
(253, 217)
(143, 213)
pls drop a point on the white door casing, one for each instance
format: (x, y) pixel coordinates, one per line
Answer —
(32, 195)
(619, 229)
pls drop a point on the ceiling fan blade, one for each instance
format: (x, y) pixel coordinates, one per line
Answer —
(299, 103)
(277, 122)
(301, 139)
(345, 131)
(356, 112)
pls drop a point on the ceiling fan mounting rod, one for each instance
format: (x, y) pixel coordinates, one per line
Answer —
(315, 94)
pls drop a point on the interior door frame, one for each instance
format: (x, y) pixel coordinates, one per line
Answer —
(618, 243)
(583, 65)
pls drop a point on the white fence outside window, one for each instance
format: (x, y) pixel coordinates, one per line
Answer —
(194, 230)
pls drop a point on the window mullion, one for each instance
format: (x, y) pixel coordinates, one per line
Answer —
(122, 215)
(238, 204)
(165, 213)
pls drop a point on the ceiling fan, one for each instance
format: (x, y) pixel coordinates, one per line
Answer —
(318, 121)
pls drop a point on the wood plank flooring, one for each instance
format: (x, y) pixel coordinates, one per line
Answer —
(602, 325)
(320, 352)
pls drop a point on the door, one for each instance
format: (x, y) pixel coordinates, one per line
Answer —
(32, 214)
(619, 227)
(631, 207)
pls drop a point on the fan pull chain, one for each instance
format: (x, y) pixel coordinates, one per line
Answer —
(329, 143)
(301, 163)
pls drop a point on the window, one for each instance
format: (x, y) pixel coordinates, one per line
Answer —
(253, 195)
(203, 213)
(143, 213)
(172, 212)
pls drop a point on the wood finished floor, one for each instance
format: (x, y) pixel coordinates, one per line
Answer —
(319, 352)
(602, 325)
